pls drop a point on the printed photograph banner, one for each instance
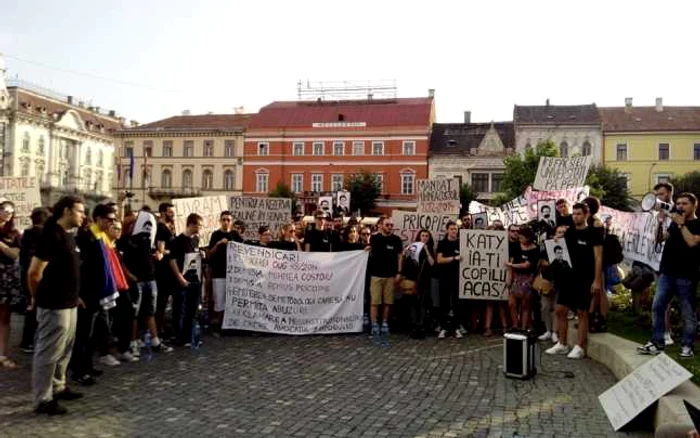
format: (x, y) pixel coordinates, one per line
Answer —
(561, 173)
(573, 195)
(256, 212)
(637, 234)
(23, 191)
(440, 195)
(294, 293)
(483, 269)
(209, 207)
(407, 224)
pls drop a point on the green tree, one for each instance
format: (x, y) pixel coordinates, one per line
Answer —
(364, 187)
(610, 186)
(688, 182)
(521, 169)
(282, 190)
(466, 196)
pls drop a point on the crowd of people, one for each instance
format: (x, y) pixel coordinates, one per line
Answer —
(121, 286)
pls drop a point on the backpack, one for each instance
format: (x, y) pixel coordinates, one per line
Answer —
(612, 250)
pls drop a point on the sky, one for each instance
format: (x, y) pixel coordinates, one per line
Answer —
(151, 59)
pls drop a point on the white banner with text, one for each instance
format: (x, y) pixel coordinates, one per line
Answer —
(407, 224)
(561, 173)
(209, 207)
(23, 191)
(483, 271)
(637, 234)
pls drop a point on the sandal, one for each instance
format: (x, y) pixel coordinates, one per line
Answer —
(6, 362)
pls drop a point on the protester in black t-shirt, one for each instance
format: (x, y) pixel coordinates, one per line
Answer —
(286, 239)
(448, 258)
(165, 232)
(418, 271)
(216, 254)
(679, 275)
(563, 214)
(318, 237)
(54, 282)
(384, 268)
(523, 268)
(585, 245)
(351, 240)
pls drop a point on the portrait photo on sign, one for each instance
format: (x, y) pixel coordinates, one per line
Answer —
(192, 268)
(145, 224)
(325, 203)
(546, 212)
(344, 201)
(558, 253)
(480, 221)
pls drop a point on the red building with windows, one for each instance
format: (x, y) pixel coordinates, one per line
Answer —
(313, 146)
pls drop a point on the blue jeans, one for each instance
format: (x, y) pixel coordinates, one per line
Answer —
(666, 287)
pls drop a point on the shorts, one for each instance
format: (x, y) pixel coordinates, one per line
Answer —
(521, 287)
(218, 292)
(144, 298)
(381, 290)
(576, 296)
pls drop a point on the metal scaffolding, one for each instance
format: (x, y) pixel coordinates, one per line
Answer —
(346, 90)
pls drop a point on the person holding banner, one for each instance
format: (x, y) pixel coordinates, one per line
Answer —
(10, 288)
(318, 238)
(418, 260)
(216, 253)
(287, 239)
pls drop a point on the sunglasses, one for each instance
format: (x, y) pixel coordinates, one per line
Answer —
(8, 210)
(389, 225)
(366, 234)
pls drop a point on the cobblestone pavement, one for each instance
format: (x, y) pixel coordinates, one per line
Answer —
(330, 386)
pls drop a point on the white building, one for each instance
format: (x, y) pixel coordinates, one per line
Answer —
(69, 147)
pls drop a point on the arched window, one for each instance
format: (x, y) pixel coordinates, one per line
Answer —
(25, 142)
(98, 181)
(187, 178)
(166, 179)
(228, 180)
(88, 157)
(40, 147)
(207, 179)
(586, 149)
(564, 149)
(39, 168)
(100, 158)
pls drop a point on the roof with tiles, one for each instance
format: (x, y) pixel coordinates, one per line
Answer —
(463, 138)
(556, 115)
(650, 118)
(199, 122)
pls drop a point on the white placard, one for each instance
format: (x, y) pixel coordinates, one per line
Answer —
(480, 221)
(295, 293)
(23, 191)
(440, 195)
(256, 212)
(343, 201)
(209, 207)
(561, 173)
(637, 234)
(483, 270)
(642, 387)
(325, 204)
(558, 252)
(407, 224)
(146, 223)
(546, 212)
(192, 267)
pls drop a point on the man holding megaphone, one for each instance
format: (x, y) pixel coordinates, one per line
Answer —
(678, 275)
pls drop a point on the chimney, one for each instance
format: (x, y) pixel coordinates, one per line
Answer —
(628, 104)
(546, 102)
(467, 117)
(659, 104)
(70, 100)
(431, 92)
(112, 113)
(97, 109)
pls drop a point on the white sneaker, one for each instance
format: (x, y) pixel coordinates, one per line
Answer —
(686, 352)
(555, 338)
(668, 340)
(558, 349)
(576, 353)
(109, 360)
(128, 357)
(462, 330)
(545, 337)
(442, 334)
(134, 349)
(458, 334)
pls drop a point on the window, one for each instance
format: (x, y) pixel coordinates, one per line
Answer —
(98, 182)
(480, 182)
(25, 142)
(25, 169)
(187, 178)
(358, 148)
(40, 172)
(87, 179)
(664, 151)
(409, 147)
(207, 179)
(316, 183)
(496, 181)
(297, 182)
(378, 148)
(128, 149)
(40, 147)
(298, 148)
(228, 180)
(148, 149)
(621, 152)
(564, 149)
(586, 149)
(166, 179)
(407, 180)
(228, 148)
(338, 148)
(663, 178)
(696, 151)
(100, 158)
(318, 148)
(188, 150)
(167, 148)
(380, 179)
(208, 148)
(263, 148)
(261, 182)
(88, 156)
(336, 183)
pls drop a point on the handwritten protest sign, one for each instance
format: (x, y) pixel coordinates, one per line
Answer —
(483, 267)
(438, 195)
(209, 207)
(642, 387)
(255, 212)
(23, 191)
(407, 224)
(637, 234)
(295, 293)
(561, 173)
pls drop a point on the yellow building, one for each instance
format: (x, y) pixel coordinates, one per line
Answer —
(651, 144)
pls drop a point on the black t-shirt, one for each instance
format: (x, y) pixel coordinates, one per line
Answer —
(514, 250)
(385, 255)
(567, 220)
(163, 234)
(180, 246)
(348, 246)
(285, 245)
(580, 244)
(528, 255)
(217, 259)
(60, 283)
(320, 240)
(679, 259)
(138, 256)
(13, 242)
(449, 248)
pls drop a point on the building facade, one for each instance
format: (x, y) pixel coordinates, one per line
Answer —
(651, 144)
(314, 146)
(182, 156)
(473, 153)
(575, 129)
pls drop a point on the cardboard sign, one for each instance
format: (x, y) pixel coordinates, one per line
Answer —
(438, 195)
(23, 191)
(561, 173)
(256, 212)
(558, 252)
(480, 221)
(642, 387)
(483, 270)
(192, 267)
(343, 201)
(209, 207)
(325, 204)
(546, 212)
(637, 234)
(146, 223)
(407, 224)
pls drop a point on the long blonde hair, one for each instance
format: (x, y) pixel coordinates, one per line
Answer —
(282, 233)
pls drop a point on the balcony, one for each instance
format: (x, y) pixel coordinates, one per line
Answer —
(173, 192)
